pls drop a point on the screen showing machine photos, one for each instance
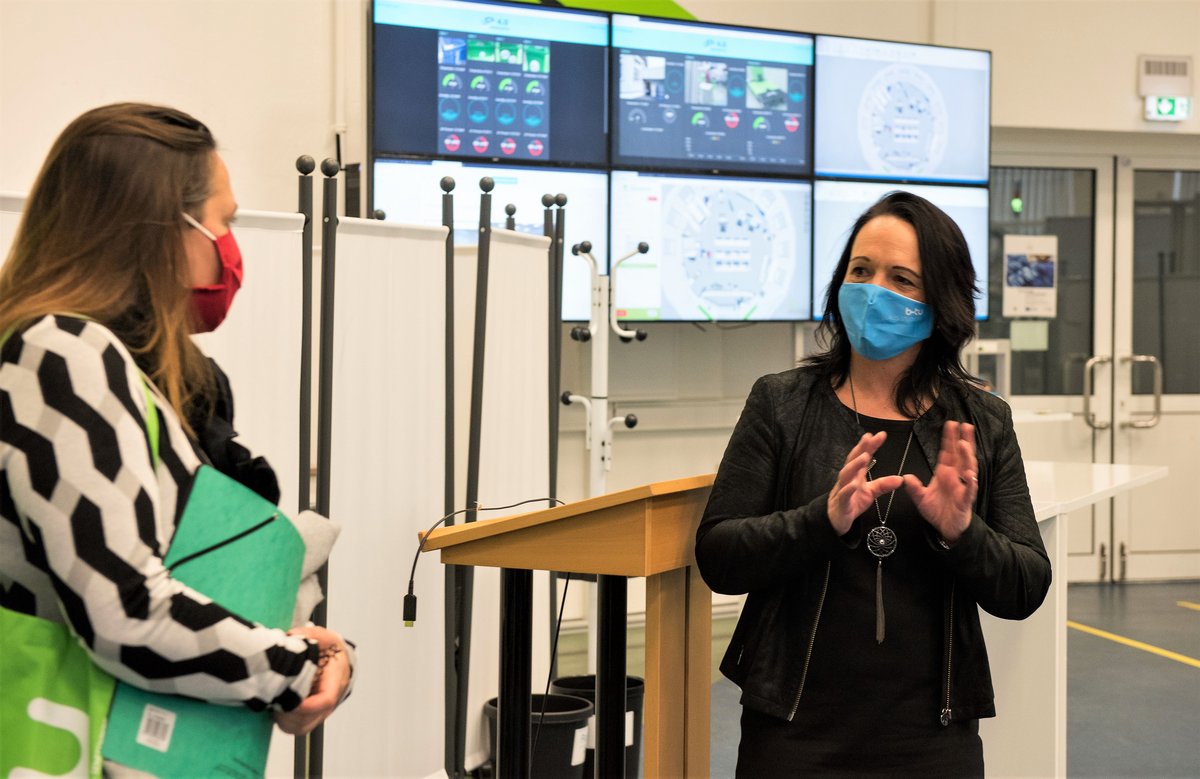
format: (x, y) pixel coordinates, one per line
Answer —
(705, 97)
(489, 82)
(902, 111)
(410, 192)
(721, 249)
(837, 204)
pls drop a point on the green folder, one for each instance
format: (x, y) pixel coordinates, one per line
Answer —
(241, 551)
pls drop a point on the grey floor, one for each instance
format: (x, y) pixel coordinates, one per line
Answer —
(1130, 713)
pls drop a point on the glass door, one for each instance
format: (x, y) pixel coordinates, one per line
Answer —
(1156, 368)
(1056, 362)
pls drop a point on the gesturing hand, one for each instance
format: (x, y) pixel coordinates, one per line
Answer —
(853, 492)
(946, 501)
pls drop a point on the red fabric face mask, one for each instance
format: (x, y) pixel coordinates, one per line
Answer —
(211, 304)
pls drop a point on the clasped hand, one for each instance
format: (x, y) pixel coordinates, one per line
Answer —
(327, 690)
(945, 502)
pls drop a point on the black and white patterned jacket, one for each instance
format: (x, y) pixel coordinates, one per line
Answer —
(85, 519)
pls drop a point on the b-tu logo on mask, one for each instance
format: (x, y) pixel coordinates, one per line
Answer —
(913, 311)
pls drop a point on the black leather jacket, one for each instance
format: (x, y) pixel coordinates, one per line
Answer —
(766, 532)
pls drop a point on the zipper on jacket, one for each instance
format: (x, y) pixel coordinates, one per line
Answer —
(946, 715)
(812, 639)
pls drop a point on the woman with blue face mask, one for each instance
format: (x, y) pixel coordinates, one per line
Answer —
(869, 503)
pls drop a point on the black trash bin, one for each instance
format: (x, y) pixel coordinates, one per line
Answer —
(561, 740)
(635, 693)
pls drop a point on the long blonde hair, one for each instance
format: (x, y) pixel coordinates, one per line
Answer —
(102, 237)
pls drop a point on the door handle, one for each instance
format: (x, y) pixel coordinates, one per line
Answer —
(1154, 417)
(1089, 370)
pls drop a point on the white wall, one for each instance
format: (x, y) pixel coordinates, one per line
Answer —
(1073, 65)
(259, 73)
(1061, 64)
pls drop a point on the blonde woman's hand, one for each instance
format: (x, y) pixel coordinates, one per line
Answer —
(328, 688)
(854, 493)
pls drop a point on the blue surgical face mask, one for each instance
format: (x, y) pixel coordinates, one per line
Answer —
(880, 323)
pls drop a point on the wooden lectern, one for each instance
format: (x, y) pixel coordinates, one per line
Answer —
(646, 531)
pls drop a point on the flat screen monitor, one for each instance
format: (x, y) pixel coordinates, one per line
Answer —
(410, 191)
(837, 204)
(710, 98)
(902, 111)
(721, 249)
(487, 81)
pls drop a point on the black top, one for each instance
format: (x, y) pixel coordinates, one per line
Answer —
(888, 689)
(869, 706)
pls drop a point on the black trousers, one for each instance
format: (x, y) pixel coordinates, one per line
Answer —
(771, 747)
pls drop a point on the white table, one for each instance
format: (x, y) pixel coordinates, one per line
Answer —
(1029, 658)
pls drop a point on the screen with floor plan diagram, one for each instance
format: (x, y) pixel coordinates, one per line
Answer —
(721, 249)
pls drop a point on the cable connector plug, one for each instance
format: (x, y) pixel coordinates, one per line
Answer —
(410, 609)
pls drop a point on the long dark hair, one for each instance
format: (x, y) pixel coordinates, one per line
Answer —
(102, 236)
(949, 282)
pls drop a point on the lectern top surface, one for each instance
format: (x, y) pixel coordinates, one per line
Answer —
(449, 536)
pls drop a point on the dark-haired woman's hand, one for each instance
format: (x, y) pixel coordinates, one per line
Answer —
(854, 492)
(946, 501)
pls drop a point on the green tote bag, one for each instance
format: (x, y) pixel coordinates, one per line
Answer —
(60, 714)
(53, 700)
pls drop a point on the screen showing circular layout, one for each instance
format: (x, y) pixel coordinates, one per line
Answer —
(721, 249)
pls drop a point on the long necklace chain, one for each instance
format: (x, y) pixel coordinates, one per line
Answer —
(883, 515)
(881, 540)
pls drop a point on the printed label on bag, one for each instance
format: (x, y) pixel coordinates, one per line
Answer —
(579, 749)
(157, 726)
(629, 728)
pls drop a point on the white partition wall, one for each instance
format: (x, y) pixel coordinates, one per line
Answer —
(11, 206)
(514, 446)
(259, 344)
(387, 482)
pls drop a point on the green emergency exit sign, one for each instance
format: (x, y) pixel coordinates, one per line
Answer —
(1168, 109)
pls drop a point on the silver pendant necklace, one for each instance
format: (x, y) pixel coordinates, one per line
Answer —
(881, 540)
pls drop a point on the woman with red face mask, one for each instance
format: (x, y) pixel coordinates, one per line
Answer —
(108, 410)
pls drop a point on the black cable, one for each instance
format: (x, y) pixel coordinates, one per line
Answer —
(553, 654)
(410, 600)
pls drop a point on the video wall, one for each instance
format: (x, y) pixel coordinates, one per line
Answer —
(742, 156)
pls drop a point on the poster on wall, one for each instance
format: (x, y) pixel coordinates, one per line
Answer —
(1031, 276)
